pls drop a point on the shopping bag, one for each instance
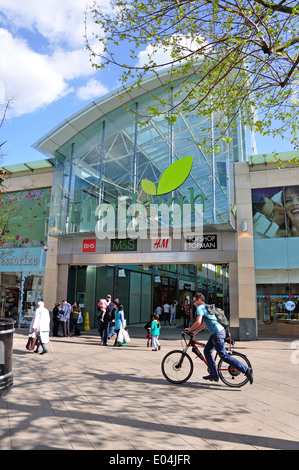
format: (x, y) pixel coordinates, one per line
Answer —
(120, 337)
(126, 337)
(80, 318)
(31, 342)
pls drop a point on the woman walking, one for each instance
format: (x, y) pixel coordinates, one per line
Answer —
(41, 326)
(119, 321)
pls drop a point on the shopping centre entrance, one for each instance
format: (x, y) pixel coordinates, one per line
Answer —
(143, 288)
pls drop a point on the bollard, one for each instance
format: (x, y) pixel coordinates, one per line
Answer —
(86, 322)
(6, 347)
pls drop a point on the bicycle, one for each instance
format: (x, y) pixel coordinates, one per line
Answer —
(177, 366)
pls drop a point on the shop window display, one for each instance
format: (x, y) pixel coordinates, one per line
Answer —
(278, 315)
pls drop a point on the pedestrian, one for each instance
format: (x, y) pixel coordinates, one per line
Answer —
(166, 308)
(173, 312)
(107, 319)
(66, 310)
(56, 322)
(159, 310)
(155, 332)
(215, 341)
(111, 330)
(102, 307)
(76, 310)
(40, 325)
(147, 326)
(187, 310)
(119, 321)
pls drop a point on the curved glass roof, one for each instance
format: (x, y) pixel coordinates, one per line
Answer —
(110, 156)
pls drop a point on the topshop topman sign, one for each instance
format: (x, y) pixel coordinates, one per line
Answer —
(138, 220)
(202, 242)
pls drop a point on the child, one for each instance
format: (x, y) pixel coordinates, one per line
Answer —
(147, 326)
(155, 332)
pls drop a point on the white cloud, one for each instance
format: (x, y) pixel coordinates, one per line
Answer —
(27, 76)
(163, 55)
(39, 68)
(2, 93)
(70, 64)
(56, 20)
(93, 89)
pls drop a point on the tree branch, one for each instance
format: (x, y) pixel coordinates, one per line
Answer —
(290, 73)
(278, 6)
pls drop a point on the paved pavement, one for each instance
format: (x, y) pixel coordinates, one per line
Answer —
(89, 397)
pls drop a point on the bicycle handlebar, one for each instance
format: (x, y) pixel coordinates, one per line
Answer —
(226, 340)
(189, 334)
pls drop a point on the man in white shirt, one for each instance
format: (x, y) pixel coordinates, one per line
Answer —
(166, 309)
(159, 311)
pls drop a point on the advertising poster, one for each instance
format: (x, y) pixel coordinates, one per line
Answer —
(276, 212)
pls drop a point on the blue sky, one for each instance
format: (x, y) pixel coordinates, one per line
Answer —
(45, 69)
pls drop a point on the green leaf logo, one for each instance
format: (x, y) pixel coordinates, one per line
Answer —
(171, 178)
(148, 187)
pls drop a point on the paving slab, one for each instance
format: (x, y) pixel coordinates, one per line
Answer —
(84, 396)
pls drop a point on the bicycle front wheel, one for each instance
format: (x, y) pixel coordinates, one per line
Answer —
(177, 367)
(231, 376)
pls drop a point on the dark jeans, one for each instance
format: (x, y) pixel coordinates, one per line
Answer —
(216, 341)
(56, 324)
(39, 343)
(77, 331)
(103, 330)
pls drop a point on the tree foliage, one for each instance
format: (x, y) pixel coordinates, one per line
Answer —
(8, 207)
(233, 55)
(4, 113)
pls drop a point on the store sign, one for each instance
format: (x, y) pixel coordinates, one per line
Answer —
(123, 245)
(89, 246)
(24, 260)
(21, 259)
(161, 244)
(201, 242)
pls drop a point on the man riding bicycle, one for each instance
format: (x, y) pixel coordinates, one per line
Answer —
(216, 341)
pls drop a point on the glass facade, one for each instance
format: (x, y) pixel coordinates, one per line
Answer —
(141, 289)
(110, 157)
(276, 242)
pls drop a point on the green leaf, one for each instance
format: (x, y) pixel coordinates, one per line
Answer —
(148, 187)
(175, 175)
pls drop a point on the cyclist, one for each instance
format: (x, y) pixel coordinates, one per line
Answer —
(216, 340)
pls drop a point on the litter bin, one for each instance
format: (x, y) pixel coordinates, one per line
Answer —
(6, 346)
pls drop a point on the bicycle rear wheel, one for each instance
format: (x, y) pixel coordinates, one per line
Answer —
(231, 376)
(177, 367)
